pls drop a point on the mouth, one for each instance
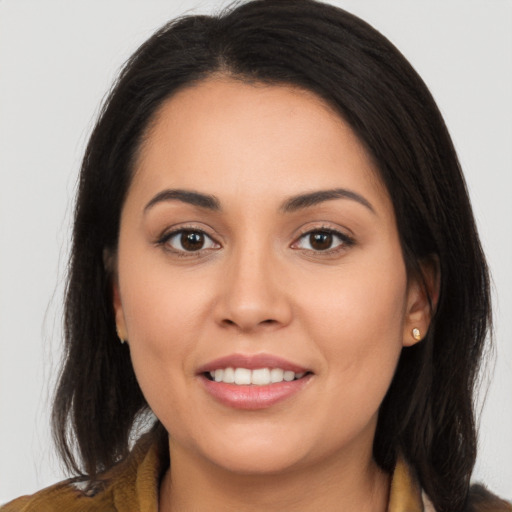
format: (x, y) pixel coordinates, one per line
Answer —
(253, 381)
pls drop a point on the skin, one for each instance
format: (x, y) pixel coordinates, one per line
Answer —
(258, 285)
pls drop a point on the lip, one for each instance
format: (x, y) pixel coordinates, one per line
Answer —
(251, 397)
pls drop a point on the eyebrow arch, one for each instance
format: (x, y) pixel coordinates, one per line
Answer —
(186, 196)
(313, 198)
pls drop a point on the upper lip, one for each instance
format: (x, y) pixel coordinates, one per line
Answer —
(251, 362)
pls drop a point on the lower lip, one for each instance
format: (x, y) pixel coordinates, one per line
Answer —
(252, 397)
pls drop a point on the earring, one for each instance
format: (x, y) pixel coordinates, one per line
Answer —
(121, 338)
(416, 334)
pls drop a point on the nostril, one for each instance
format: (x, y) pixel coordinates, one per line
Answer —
(232, 322)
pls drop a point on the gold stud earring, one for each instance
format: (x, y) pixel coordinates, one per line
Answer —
(416, 334)
(121, 338)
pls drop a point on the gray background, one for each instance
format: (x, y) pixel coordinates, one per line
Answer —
(57, 60)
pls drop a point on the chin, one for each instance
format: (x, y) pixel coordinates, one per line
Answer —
(255, 455)
(258, 462)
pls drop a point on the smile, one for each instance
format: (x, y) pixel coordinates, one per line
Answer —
(257, 377)
(257, 381)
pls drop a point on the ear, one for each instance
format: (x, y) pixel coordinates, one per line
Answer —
(119, 313)
(422, 298)
(110, 264)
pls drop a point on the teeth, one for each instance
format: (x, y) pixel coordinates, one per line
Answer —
(289, 376)
(242, 376)
(258, 377)
(229, 376)
(276, 375)
(261, 377)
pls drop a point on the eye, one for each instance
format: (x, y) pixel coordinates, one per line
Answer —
(188, 240)
(319, 240)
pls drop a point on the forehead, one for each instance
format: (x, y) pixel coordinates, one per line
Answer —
(223, 134)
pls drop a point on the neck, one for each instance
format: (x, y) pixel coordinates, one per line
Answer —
(343, 483)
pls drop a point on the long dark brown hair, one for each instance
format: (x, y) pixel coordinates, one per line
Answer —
(427, 414)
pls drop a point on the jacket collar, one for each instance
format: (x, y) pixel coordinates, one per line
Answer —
(405, 493)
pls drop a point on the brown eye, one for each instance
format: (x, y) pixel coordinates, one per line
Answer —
(192, 240)
(326, 240)
(188, 240)
(320, 240)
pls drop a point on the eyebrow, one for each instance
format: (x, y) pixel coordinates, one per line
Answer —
(313, 198)
(299, 202)
(185, 196)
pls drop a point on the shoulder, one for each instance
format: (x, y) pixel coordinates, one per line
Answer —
(71, 495)
(482, 500)
(130, 486)
(406, 494)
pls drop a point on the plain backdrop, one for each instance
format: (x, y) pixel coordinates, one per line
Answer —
(58, 59)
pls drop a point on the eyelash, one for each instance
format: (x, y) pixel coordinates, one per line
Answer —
(345, 241)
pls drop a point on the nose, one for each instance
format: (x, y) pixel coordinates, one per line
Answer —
(253, 293)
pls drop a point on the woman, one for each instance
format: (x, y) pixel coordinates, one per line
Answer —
(272, 221)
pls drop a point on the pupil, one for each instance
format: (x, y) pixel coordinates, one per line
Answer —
(320, 241)
(192, 241)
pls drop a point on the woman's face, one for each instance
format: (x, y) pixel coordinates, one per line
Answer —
(258, 243)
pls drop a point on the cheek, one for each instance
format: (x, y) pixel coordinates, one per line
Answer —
(161, 303)
(357, 321)
(163, 314)
(364, 302)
